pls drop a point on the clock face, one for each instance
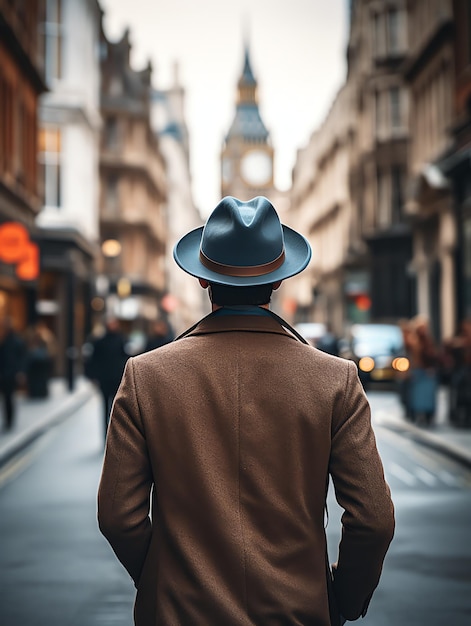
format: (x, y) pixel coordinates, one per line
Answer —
(256, 167)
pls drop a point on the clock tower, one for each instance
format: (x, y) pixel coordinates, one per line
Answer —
(247, 154)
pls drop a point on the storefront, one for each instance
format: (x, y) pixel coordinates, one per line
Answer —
(19, 273)
(64, 296)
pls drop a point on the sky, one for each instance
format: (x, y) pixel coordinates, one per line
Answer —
(297, 49)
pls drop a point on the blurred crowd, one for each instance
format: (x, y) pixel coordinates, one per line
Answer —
(27, 359)
(26, 364)
(431, 365)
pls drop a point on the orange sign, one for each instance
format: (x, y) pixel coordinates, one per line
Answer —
(13, 240)
(16, 247)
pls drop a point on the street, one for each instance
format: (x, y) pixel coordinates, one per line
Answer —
(57, 570)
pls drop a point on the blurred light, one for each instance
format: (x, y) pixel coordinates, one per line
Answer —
(47, 307)
(366, 364)
(98, 304)
(289, 306)
(363, 303)
(123, 287)
(169, 303)
(102, 285)
(401, 364)
(111, 247)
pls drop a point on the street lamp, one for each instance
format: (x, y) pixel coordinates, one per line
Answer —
(111, 248)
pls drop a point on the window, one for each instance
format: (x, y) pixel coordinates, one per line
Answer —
(19, 135)
(397, 179)
(467, 265)
(393, 32)
(50, 164)
(387, 32)
(111, 133)
(379, 126)
(7, 123)
(51, 37)
(378, 38)
(112, 194)
(395, 107)
(383, 217)
(467, 30)
(3, 122)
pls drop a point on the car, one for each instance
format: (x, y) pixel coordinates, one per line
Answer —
(378, 350)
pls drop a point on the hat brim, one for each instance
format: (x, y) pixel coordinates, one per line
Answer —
(297, 257)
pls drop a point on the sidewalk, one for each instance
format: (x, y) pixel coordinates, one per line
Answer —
(387, 411)
(34, 416)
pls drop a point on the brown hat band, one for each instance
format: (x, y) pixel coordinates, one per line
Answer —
(246, 270)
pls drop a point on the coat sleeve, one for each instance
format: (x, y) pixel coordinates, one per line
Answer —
(126, 481)
(361, 490)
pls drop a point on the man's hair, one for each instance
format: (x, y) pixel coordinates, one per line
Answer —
(223, 295)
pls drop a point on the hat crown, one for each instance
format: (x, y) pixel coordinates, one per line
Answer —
(243, 234)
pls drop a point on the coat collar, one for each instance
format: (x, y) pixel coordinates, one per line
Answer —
(234, 323)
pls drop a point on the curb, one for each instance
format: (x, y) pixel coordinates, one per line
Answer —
(23, 439)
(431, 440)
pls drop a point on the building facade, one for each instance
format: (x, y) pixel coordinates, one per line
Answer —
(429, 73)
(381, 238)
(184, 301)
(457, 162)
(350, 181)
(21, 85)
(409, 230)
(69, 129)
(321, 209)
(133, 195)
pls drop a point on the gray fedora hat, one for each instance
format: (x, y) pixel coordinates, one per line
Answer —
(243, 244)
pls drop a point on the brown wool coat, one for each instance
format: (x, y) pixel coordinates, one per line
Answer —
(231, 432)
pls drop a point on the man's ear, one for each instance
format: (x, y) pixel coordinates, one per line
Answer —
(204, 283)
(276, 285)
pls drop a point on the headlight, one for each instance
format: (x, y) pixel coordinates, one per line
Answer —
(366, 364)
(401, 364)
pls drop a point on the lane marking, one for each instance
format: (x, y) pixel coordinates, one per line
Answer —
(450, 479)
(426, 476)
(23, 460)
(438, 463)
(402, 474)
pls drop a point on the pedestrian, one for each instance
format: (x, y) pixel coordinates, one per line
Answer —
(423, 372)
(106, 364)
(403, 378)
(38, 363)
(160, 334)
(12, 368)
(221, 444)
(457, 358)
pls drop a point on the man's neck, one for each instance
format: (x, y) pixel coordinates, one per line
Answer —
(215, 307)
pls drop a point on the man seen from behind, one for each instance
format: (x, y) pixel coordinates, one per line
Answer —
(231, 433)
